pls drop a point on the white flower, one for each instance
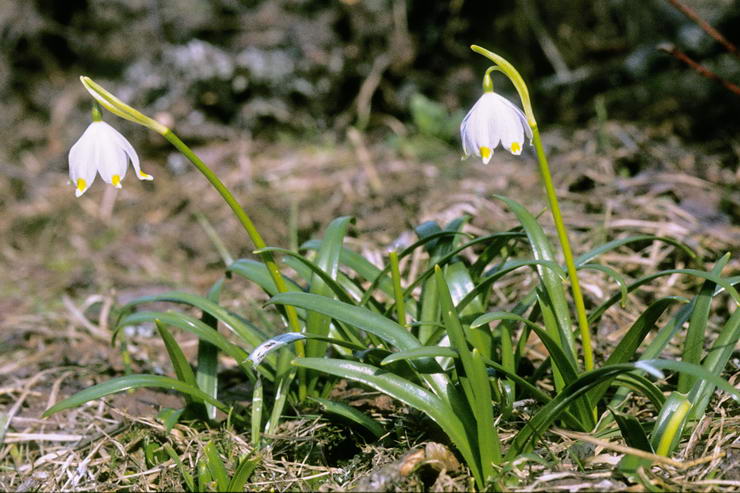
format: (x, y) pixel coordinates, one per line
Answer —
(491, 120)
(101, 149)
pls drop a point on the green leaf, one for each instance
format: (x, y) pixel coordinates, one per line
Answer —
(216, 466)
(256, 417)
(443, 260)
(246, 467)
(363, 267)
(626, 350)
(257, 272)
(169, 417)
(189, 483)
(618, 278)
(563, 365)
(554, 305)
(207, 370)
(508, 267)
(635, 437)
(189, 324)
(177, 357)
(715, 362)
(561, 361)
(419, 353)
(695, 370)
(606, 247)
(641, 384)
(376, 324)
(352, 414)
(327, 283)
(545, 416)
(695, 334)
(404, 391)
(670, 423)
(596, 314)
(360, 317)
(119, 384)
(245, 331)
(460, 284)
(204, 476)
(475, 382)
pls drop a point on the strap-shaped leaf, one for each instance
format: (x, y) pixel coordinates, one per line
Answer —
(246, 331)
(607, 247)
(695, 334)
(626, 350)
(404, 391)
(177, 357)
(189, 324)
(257, 272)
(352, 414)
(119, 384)
(207, 369)
(376, 324)
(553, 286)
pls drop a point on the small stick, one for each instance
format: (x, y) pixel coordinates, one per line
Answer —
(574, 435)
(691, 14)
(701, 69)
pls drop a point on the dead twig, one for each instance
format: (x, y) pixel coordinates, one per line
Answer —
(691, 14)
(622, 449)
(701, 69)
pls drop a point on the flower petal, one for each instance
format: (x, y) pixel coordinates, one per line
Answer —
(131, 153)
(82, 168)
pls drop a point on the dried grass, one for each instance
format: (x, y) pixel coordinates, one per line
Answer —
(67, 262)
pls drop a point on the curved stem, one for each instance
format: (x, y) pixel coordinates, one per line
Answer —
(588, 357)
(245, 221)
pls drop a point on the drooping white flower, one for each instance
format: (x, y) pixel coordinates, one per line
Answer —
(491, 120)
(102, 149)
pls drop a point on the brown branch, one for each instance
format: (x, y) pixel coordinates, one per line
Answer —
(691, 14)
(701, 69)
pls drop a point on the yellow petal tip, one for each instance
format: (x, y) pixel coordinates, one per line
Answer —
(81, 187)
(116, 181)
(486, 153)
(516, 148)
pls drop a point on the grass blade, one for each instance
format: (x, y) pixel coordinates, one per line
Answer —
(478, 388)
(207, 370)
(322, 281)
(189, 324)
(244, 330)
(419, 353)
(695, 334)
(631, 341)
(724, 283)
(189, 483)
(607, 247)
(216, 466)
(670, 423)
(555, 301)
(715, 362)
(257, 272)
(256, 417)
(246, 467)
(404, 391)
(352, 414)
(376, 324)
(119, 384)
(177, 357)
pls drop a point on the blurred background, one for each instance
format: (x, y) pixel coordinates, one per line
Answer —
(305, 67)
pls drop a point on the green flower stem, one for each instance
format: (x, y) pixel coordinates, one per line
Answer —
(245, 221)
(588, 356)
